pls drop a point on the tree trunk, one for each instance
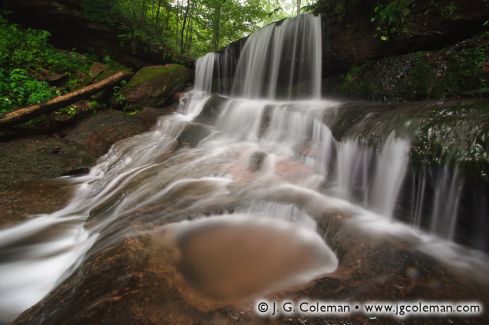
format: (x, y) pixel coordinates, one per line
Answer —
(26, 113)
(217, 26)
(157, 16)
(182, 34)
(298, 7)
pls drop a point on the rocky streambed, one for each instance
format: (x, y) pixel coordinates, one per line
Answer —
(156, 269)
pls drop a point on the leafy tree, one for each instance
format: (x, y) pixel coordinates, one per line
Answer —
(188, 27)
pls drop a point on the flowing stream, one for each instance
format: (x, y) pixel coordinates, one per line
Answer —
(257, 156)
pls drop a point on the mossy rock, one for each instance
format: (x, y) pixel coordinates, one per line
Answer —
(460, 70)
(443, 133)
(153, 85)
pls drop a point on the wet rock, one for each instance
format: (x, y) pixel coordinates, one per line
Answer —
(25, 199)
(216, 254)
(129, 282)
(40, 157)
(26, 163)
(192, 135)
(256, 161)
(448, 141)
(96, 69)
(457, 70)
(178, 96)
(143, 279)
(154, 85)
(211, 110)
(98, 132)
(443, 132)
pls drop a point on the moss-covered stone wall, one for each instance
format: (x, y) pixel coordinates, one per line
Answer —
(461, 70)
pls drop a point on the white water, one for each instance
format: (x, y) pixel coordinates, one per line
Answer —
(264, 158)
(279, 56)
(204, 67)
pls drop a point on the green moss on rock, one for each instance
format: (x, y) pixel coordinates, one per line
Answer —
(153, 85)
(450, 132)
(460, 70)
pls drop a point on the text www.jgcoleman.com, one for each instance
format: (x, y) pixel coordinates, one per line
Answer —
(345, 309)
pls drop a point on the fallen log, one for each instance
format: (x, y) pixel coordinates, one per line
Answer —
(26, 113)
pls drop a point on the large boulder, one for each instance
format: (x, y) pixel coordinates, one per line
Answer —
(153, 85)
(98, 132)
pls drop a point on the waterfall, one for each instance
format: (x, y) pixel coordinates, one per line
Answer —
(263, 152)
(275, 61)
(281, 56)
(389, 175)
(204, 69)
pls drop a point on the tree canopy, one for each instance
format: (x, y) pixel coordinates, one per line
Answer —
(189, 27)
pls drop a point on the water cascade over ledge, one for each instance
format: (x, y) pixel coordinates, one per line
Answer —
(259, 158)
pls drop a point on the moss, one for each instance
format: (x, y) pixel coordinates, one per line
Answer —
(455, 135)
(154, 72)
(465, 69)
(447, 9)
(153, 85)
(460, 70)
(112, 68)
(452, 132)
(355, 84)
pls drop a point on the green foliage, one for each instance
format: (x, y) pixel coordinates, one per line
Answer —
(189, 28)
(391, 18)
(339, 9)
(454, 134)
(355, 83)
(69, 111)
(22, 54)
(448, 9)
(118, 94)
(107, 59)
(18, 88)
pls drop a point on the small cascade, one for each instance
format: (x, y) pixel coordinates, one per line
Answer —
(390, 170)
(354, 170)
(438, 195)
(204, 71)
(320, 152)
(370, 178)
(281, 57)
(445, 203)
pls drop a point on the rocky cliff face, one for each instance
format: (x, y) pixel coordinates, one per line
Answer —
(350, 36)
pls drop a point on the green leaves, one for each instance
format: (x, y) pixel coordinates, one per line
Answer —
(18, 88)
(391, 18)
(22, 54)
(188, 27)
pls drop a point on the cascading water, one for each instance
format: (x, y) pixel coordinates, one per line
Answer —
(266, 152)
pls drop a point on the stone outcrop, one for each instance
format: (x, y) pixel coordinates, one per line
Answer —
(154, 85)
